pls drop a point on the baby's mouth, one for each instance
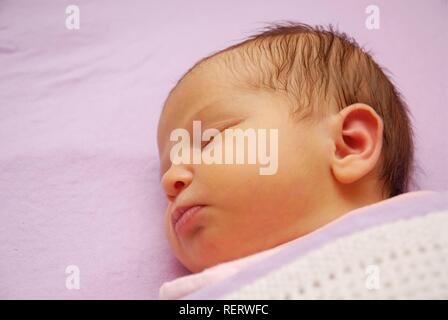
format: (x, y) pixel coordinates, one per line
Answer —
(181, 214)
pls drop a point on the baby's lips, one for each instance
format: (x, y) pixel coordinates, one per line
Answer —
(180, 210)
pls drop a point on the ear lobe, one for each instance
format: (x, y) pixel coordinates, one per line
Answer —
(359, 136)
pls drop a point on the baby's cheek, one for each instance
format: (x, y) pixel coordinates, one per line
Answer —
(169, 233)
(230, 176)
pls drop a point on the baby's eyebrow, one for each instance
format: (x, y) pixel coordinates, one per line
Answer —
(214, 115)
(203, 111)
(206, 113)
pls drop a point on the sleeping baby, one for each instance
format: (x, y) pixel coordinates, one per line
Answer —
(308, 106)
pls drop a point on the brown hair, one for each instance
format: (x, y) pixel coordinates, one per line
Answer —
(313, 65)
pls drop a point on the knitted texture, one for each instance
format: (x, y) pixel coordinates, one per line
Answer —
(406, 259)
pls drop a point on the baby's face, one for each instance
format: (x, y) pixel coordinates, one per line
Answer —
(243, 212)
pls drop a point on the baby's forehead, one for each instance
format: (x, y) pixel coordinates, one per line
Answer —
(213, 84)
(208, 84)
(199, 96)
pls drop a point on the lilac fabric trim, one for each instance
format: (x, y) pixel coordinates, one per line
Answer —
(358, 220)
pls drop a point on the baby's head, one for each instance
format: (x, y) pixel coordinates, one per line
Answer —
(344, 141)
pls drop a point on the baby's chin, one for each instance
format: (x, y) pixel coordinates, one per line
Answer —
(196, 261)
(203, 256)
(199, 266)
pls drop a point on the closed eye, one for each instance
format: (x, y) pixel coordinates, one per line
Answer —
(206, 143)
(221, 129)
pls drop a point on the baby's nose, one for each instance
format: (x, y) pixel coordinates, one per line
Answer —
(177, 178)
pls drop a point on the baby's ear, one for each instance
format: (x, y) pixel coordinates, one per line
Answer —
(358, 142)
